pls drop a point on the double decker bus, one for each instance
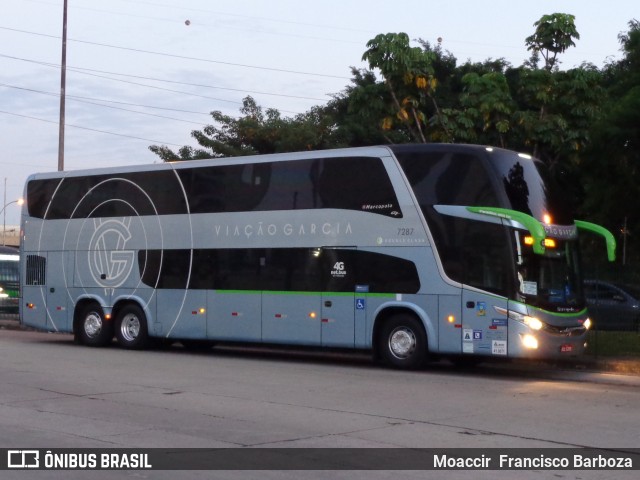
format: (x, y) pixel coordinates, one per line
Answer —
(409, 251)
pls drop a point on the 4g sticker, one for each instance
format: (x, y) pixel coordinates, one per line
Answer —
(339, 270)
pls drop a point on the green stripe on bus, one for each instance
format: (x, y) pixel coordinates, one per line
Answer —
(333, 294)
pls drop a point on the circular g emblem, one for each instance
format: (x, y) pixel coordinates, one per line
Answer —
(109, 261)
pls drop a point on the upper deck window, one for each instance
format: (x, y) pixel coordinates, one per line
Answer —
(350, 183)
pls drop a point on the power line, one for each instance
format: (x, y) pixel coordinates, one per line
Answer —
(95, 102)
(90, 129)
(103, 100)
(183, 57)
(83, 70)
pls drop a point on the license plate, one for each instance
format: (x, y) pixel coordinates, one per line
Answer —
(566, 348)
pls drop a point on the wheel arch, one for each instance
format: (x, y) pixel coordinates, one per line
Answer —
(81, 304)
(122, 302)
(388, 310)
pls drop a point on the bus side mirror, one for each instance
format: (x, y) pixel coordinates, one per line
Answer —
(598, 230)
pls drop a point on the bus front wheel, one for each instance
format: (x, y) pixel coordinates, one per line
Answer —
(131, 327)
(403, 342)
(93, 329)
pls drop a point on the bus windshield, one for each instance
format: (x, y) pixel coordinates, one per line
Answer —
(551, 281)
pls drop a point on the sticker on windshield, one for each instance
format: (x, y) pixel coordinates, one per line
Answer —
(529, 288)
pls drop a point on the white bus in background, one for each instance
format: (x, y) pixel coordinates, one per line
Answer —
(9, 280)
(409, 251)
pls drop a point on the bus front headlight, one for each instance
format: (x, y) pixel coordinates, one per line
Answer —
(533, 323)
(587, 323)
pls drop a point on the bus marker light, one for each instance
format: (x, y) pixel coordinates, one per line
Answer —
(528, 240)
(312, 315)
(202, 311)
(529, 341)
(31, 305)
(451, 319)
(549, 243)
(107, 316)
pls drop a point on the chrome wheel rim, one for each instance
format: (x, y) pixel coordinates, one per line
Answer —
(402, 343)
(93, 324)
(130, 327)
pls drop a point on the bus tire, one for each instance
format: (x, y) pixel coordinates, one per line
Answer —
(131, 327)
(93, 329)
(403, 341)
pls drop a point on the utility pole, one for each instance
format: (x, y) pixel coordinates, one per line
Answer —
(63, 82)
(4, 213)
(625, 234)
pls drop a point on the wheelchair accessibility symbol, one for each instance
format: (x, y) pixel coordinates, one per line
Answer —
(360, 304)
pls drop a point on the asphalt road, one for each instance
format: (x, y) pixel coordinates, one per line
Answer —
(55, 394)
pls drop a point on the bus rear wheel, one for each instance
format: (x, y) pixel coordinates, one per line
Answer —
(131, 327)
(94, 330)
(403, 342)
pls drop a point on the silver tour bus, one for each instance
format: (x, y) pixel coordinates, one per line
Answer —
(410, 251)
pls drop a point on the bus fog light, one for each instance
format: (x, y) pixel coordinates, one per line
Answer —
(529, 341)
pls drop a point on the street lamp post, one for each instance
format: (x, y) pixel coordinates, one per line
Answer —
(4, 218)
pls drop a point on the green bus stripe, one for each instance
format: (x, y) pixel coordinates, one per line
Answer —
(309, 294)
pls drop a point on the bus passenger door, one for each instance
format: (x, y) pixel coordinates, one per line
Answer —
(338, 298)
(488, 275)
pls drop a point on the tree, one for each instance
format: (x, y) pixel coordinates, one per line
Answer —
(408, 75)
(613, 156)
(554, 34)
(254, 132)
(356, 113)
(485, 110)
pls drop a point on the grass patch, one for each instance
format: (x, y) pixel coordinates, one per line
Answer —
(613, 344)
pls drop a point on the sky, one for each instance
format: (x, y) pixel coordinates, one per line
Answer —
(148, 72)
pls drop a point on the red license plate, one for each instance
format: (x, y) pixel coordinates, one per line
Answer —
(566, 348)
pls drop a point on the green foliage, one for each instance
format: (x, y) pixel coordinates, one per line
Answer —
(408, 74)
(254, 132)
(611, 163)
(554, 34)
